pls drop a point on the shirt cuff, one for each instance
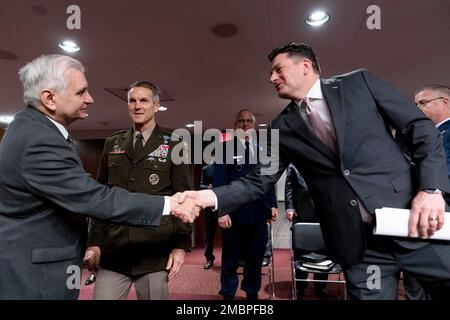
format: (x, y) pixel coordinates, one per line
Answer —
(166, 210)
(216, 202)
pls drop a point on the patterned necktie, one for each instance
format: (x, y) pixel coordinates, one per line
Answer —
(318, 126)
(138, 146)
(71, 143)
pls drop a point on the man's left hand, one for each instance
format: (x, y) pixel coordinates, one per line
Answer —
(176, 260)
(427, 214)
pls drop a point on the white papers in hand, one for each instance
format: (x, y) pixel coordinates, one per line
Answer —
(394, 222)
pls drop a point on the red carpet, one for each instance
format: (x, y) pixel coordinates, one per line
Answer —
(195, 283)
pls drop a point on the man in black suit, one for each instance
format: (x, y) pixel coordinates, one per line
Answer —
(337, 133)
(46, 194)
(206, 182)
(244, 230)
(300, 208)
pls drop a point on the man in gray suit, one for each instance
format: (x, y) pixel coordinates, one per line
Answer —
(46, 194)
(337, 134)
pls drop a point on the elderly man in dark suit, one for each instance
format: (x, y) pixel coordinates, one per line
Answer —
(337, 133)
(45, 193)
(244, 230)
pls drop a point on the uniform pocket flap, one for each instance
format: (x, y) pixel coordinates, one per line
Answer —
(52, 254)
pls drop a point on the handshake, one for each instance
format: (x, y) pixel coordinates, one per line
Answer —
(187, 205)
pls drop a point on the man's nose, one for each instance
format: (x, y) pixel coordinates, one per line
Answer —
(89, 99)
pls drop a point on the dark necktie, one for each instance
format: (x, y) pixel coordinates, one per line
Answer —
(138, 146)
(318, 126)
(73, 147)
(247, 152)
(71, 143)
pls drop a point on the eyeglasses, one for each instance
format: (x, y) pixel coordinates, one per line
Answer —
(423, 103)
(241, 121)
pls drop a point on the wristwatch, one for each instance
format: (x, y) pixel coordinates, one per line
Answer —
(433, 191)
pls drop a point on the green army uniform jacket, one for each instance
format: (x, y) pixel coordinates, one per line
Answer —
(133, 250)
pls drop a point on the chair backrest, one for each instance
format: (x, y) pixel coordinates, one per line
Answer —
(307, 236)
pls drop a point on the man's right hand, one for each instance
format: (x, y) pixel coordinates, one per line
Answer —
(206, 197)
(92, 258)
(184, 208)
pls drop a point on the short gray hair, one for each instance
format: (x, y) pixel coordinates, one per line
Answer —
(45, 72)
(441, 88)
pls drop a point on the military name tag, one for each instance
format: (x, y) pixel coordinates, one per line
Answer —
(154, 179)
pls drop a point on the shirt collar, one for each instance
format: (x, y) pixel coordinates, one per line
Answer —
(60, 127)
(146, 134)
(315, 93)
(442, 122)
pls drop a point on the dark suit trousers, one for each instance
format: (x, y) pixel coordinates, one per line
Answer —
(246, 241)
(210, 233)
(377, 276)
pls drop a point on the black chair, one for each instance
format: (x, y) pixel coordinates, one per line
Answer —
(267, 263)
(307, 238)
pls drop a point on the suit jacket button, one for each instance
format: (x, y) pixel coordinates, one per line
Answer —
(132, 179)
(346, 172)
(353, 203)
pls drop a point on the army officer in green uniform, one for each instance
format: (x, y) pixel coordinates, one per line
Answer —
(139, 160)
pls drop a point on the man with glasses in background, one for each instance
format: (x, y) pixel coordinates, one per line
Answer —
(433, 100)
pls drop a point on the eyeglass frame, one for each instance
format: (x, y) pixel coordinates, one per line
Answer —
(423, 103)
(245, 120)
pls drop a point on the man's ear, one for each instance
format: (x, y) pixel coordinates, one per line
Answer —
(307, 66)
(47, 100)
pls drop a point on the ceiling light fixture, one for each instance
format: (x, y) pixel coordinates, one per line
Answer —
(6, 119)
(225, 30)
(317, 18)
(162, 108)
(190, 125)
(263, 125)
(69, 46)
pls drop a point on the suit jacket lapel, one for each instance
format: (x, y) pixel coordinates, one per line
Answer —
(295, 121)
(332, 92)
(39, 116)
(127, 144)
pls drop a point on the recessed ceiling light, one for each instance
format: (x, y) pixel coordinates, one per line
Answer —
(162, 108)
(6, 119)
(7, 55)
(317, 18)
(69, 46)
(263, 125)
(39, 10)
(225, 30)
(190, 125)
